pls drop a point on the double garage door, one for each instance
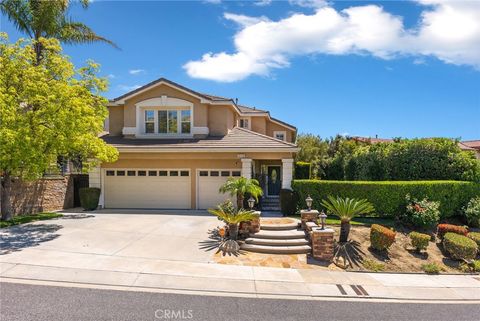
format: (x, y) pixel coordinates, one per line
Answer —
(163, 188)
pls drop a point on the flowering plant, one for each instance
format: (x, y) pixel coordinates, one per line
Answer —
(423, 213)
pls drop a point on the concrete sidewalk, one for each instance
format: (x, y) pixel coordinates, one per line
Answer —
(250, 281)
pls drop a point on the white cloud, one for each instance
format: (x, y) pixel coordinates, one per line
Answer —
(449, 31)
(111, 76)
(262, 3)
(213, 1)
(128, 87)
(136, 71)
(309, 3)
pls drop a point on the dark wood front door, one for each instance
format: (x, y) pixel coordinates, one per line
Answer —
(274, 182)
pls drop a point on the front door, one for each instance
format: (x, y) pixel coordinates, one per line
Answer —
(274, 182)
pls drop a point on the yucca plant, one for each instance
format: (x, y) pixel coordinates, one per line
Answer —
(232, 217)
(239, 187)
(346, 209)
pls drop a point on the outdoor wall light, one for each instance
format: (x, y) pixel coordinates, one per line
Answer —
(251, 202)
(323, 217)
(309, 202)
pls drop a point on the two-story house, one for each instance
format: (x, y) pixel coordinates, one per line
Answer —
(178, 146)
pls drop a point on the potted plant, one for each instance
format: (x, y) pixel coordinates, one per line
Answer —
(241, 186)
(346, 209)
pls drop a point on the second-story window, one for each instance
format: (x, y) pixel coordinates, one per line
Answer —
(174, 121)
(244, 123)
(185, 120)
(149, 121)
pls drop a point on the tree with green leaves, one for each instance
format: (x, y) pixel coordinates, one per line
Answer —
(313, 150)
(49, 19)
(241, 186)
(47, 109)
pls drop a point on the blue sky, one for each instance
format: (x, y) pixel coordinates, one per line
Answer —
(386, 68)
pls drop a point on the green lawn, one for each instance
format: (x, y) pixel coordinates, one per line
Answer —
(22, 219)
(363, 221)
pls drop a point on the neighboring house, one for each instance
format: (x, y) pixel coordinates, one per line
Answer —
(471, 145)
(178, 146)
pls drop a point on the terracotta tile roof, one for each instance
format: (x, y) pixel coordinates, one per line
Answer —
(474, 144)
(238, 139)
(372, 140)
(246, 109)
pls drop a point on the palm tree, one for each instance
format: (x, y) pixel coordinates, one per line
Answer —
(239, 187)
(49, 19)
(232, 217)
(346, 209)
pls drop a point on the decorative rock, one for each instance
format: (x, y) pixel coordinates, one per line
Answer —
(322, 243)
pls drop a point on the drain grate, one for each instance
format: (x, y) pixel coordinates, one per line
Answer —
(358, 289)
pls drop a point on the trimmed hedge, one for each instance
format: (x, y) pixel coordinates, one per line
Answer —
(381, 237)
(303, 170)
(474, 236)
(388, 197)
(288, 201)
(419, 240)
(89, 198)
(443, 229)
(460, 247)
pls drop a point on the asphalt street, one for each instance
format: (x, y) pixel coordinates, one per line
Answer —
(52, 303)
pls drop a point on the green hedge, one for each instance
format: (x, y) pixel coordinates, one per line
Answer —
(388, 197)
(303, 170)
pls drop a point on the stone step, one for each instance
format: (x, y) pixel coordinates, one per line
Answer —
(270, 242)
(301, 249)
(279, 227)
(279, 235)
(271, 208)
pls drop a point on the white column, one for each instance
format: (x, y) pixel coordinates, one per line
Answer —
(247, 168)
(95, 179)
(287, 172)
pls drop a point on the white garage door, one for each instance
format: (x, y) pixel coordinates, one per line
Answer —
(209, 181)
(148, 188)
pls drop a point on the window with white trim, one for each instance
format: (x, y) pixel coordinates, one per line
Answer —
(149, 122)
(281, 135)
(168, 121)
(244, 123)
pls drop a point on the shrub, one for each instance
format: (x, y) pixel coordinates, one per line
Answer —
(89, 198)
(288, 202)
(422, 213)
(303, 170)
(419, 240)
(471, 267)
(474, 236)
(388, 197)
(381, 237)
(372, 265)
(472, 212)
(446, 228)
(459, 247)
(431, 268)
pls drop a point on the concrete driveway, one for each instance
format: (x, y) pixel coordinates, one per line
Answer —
(122, 234)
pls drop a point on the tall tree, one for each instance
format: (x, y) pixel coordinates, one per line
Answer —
(49, 19)
(46, 110)
(312, 150)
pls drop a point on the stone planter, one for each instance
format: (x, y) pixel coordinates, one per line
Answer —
(308, 216)
(251, 227)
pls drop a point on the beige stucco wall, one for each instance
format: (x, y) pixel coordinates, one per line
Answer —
(271, 127)
(115, 122)
(259, 125)
(220, 120)
(192, 161)
(199, 109)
